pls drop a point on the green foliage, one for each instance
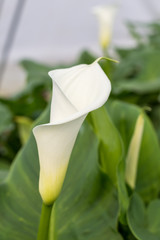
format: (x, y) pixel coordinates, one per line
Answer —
(33, 99)
(124, 116)
(29, 103)
(110, 151)
(6, 119)
(144, 222)
(4, 169)
(8, 148)
(139, 73)
(87, 207)
(24, 127)
(95, 202)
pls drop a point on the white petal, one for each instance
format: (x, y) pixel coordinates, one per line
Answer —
(55, 144)
(85, 87)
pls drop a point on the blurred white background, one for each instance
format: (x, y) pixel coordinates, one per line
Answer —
(57, 31)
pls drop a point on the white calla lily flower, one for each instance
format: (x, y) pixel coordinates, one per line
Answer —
(76, 92)
(105, 15)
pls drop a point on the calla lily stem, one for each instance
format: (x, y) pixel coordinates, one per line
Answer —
(43, 232)
(106, 58)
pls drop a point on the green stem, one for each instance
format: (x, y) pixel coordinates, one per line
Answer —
(43, 231)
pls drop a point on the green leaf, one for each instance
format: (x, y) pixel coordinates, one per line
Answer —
(155, 117)
(4, 169)
(110, 151)
(148, 173)
(134, 32)
(5, 119)
(111, 155)
(3, 174)
(86, 209)
(86, 57)
(144, 222)
(34, 67)
(24, 127)
(138, 73)
(122, 193)
(31, 101)
(8, 146)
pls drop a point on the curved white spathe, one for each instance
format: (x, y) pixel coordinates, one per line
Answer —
(105, 15)
(76, 91)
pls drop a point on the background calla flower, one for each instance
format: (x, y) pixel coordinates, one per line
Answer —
(105, 15)
(76, 91)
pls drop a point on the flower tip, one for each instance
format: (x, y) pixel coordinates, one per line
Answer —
(50, 73)
(105, 58)
(102, 10)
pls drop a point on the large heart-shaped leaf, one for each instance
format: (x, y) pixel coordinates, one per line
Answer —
(86, 209)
